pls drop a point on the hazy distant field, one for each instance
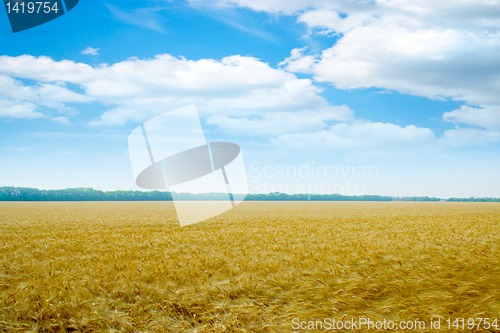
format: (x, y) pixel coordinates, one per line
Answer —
(128, 267)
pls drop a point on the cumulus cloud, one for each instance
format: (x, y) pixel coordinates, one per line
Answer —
(234, 85)
(469, 14)
(18, 100)
(23, 110)
(44, 69)
(487, 116)
(298, 62)
(470, 137)
(429, 48)
(275, 123)
(436, 49)
(45, 94)
(239, 95)
(431, 63)
(61, 120)
(91, 51)
(139, 88)
(361, 135)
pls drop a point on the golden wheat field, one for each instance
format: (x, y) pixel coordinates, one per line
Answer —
(128, 267)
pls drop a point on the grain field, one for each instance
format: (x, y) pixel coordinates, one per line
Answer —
(128, 267)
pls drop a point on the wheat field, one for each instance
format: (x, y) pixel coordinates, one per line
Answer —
(128, 267)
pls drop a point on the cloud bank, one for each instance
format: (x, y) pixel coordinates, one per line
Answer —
(435, 49)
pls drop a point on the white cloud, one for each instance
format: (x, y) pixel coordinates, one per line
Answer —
(298, 62)
(470, 137)
(234, 85)
(435, 49)
(275, 123)
(487, 116)
(45, 94)
(23, 110)
(335, 21)
(91, 51)
(44, 69)
(61, 120)
(239, 95)
(137, 89)
(118, 117)
(430, 63)
(18, 100)
(361, 135)
(468, 14)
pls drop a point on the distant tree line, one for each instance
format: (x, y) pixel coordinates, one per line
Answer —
(89, 194)
(79, 194)
(315, 197)
(474, 200)
(416, 199)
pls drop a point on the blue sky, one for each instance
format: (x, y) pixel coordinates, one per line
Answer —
(408, 88)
